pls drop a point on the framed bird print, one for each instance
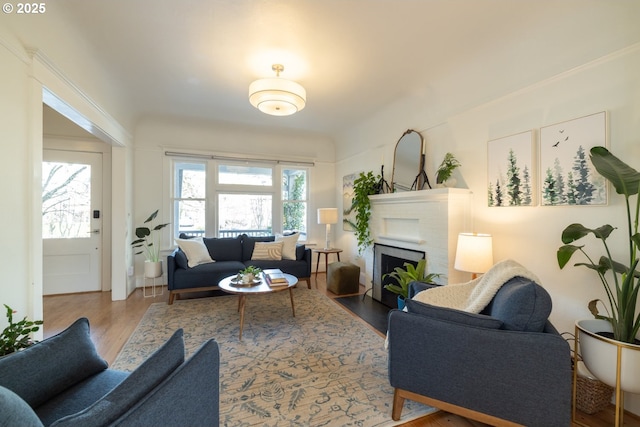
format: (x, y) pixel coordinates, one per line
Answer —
(567, 176)
(510, 171)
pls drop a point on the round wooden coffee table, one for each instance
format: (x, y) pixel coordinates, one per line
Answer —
(229, 285)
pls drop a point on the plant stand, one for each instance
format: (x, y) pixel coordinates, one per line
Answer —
(153, 286)
(619, 411)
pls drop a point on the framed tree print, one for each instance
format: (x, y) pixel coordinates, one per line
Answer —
(348, 213)
(567, 176)
(510, 168)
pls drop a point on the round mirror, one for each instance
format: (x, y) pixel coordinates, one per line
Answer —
(408, 163)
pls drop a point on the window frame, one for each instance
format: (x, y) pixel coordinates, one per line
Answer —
(214, 189)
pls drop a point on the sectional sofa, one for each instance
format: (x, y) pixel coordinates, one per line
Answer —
(194, 270)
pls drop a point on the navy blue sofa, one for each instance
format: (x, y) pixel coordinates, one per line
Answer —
(62, 381)
(231, 254)
(505, 366)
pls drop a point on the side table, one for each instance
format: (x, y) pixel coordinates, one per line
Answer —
(326, 253)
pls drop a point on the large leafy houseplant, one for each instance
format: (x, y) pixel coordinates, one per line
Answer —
(365, 185)
(148, 239)
(410, 273)
(17, 335)
(621, 281)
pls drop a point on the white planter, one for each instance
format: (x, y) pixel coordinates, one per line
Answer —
(600, 355)
(152, 269)
(248, 278)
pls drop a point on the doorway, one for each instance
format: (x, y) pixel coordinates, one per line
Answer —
(71, 221)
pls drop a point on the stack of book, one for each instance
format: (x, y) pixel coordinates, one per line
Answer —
(275, 277)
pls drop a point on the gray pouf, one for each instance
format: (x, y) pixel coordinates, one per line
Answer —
(343, 278)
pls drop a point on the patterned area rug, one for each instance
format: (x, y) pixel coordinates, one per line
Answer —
(321, 368)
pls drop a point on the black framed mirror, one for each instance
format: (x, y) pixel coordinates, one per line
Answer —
(408, 163)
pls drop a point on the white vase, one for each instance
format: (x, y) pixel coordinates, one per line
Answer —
(152, 269)
(248, 278)
(600, 355)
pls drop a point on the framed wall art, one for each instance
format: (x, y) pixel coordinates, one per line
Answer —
(348, 212)
(510, 168)
(567, 176)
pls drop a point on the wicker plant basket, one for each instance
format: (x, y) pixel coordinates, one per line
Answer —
(592, 395)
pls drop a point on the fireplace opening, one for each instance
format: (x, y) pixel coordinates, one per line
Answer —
(385, 259)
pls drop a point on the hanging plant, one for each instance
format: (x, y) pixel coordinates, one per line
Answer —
(365, 185)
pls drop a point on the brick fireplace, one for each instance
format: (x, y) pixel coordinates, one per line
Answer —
(419, 222)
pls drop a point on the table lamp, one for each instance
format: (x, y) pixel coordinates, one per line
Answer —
(327, 216)
(474, 253)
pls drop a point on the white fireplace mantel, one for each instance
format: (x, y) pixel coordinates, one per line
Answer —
(426, 220)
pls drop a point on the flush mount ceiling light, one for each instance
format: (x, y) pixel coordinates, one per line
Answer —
(277, 97)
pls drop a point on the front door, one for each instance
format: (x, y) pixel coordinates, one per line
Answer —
(71, 221)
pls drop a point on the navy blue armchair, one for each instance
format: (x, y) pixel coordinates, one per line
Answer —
(505, 366)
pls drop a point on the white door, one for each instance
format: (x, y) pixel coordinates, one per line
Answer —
(71, 221)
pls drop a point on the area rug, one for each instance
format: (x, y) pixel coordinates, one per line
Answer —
(323, 367)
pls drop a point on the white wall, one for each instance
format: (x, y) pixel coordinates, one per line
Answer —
(154, 136)
(530, 235)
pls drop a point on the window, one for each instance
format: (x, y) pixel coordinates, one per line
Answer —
(189, 199)
(294, 201)
(241, 198)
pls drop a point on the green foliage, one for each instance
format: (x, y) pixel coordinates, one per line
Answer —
(410, 273)
(148, 242)
(17, 335)
(623, 292)
(446, 168)
(293, 209)
(365, 185)
(251, 269)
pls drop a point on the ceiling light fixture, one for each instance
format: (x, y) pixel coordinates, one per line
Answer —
(277, 97)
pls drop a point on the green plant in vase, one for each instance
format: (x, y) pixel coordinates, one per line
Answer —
(404, 276)
(147, 241)
(446, 168)
(620, 280)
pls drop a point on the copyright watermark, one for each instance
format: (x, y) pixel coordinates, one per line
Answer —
(24, 8)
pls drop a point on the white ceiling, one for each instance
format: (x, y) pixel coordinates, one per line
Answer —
(196, 58)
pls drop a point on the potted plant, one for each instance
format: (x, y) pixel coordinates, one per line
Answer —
(618, 327)
(148, 243)
(446, 168)
(404, 276)
(17, 335)
(249, 274)
(365, 185)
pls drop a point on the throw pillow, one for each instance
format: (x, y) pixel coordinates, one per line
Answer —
(15, 411)
(43, 370)
(288, 245)
(452, 315)
(268, 251)
(134, 388)
(195, 250)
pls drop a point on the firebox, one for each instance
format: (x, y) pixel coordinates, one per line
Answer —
(385, 259)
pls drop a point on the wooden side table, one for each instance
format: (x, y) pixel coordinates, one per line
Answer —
(326, 253)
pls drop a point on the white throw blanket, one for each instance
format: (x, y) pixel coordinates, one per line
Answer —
(475, 295)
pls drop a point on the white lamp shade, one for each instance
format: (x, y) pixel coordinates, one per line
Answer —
(327, 216)
(474, 253)
(277, 97)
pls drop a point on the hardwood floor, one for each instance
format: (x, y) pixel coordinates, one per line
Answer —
(112, 322)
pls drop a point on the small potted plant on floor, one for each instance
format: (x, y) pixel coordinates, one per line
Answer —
(148, 243)
(619, 326)
(17, 335)
(404, 276)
